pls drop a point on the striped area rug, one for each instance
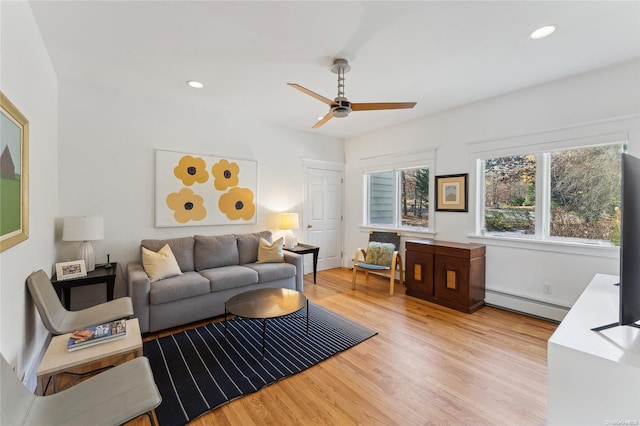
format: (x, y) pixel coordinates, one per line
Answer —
(199, 370)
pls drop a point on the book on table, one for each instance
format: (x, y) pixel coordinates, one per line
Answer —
(96, 334)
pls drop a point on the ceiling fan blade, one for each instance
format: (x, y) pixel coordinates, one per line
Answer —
(323, 120)
(372, 106)
(313, 94)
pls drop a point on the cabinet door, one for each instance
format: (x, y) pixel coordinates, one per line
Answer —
(452, 279)
(419, 273)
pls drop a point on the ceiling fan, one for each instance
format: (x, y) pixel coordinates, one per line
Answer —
(340, 106)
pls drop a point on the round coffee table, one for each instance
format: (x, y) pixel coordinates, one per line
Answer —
(264, 304)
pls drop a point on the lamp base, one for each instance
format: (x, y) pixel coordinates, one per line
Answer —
(86, 254)
(289, 240)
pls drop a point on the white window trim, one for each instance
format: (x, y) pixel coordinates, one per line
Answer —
(603, 132)
(398, 162)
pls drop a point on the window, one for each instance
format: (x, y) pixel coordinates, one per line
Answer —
(570, 194)
(398, 198)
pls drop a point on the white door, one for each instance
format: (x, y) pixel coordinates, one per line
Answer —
(323, 216)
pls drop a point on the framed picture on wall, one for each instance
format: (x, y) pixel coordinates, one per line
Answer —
(452, 193)
(72, 269)
(14, 175)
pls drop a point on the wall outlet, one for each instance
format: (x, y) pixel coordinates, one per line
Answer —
(546, 288)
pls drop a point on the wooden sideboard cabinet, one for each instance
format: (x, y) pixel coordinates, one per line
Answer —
(446, 273)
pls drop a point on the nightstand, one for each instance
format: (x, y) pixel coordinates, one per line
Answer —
(307, 249)
(97, 276)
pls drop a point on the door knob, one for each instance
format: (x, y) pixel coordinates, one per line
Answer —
(309, 226)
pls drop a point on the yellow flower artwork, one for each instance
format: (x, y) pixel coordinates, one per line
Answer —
(186, 205)
(191, 169)
(194, 189)
(237, 204)
(225, 174)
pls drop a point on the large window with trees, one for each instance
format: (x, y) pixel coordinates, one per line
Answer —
(569, 194)
(398, 198)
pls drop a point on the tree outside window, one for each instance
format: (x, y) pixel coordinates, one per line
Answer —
(583, 194)
(415, 197)
(399, 198)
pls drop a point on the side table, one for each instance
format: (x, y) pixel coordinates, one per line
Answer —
(97, 276)
(307, 249)
(57, 359)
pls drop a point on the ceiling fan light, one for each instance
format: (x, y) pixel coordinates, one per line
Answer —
(543, 32)
(195, 84)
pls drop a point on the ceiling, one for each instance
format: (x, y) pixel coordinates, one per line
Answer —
(439, 54)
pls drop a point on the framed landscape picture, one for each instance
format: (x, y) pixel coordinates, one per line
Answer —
(14, 175)
(452, 193)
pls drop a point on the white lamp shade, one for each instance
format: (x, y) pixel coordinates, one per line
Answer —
(289, 221)
(83, 229)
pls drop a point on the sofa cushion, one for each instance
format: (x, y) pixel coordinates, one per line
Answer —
(189, 284)
(182, 249)
(215, 251)
(248, 246)
(227, 277)
(160, 265)
(270, 252)
(273, 271)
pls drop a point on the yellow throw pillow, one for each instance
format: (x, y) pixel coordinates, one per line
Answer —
(270, 252)
(162, 264)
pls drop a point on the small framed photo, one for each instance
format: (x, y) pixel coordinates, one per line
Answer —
(73, 269)
(452, 193)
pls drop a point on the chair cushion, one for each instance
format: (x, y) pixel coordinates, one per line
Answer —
(162, 264)
(248, 246)
(113, 397)
(215, 251)
(380, 254)
(227, 277)
(183, 286)
(182, 249)
(372, 267)
(270, 252)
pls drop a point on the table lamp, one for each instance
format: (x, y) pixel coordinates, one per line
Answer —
(84, 229)
(288, 221)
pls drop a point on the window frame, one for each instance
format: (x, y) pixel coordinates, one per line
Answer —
(397, 163)
(543, 198)
(609, 132)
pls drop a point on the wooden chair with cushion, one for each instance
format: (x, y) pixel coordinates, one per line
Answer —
(381, 256)
(110, 398)
(60, 321)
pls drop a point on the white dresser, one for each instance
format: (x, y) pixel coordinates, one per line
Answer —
(594, 378)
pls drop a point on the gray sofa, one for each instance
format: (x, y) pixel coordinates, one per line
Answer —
(214, 268)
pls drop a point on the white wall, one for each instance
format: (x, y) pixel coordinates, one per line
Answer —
(106, 162)
(511, 271)
(28, 79)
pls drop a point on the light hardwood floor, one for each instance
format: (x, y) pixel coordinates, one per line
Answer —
(427, 365)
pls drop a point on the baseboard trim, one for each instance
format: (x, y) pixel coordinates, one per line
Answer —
(537, 308)
(30, 377)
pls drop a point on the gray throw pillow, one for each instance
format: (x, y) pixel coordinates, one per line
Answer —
(248, 246)
(215, 251)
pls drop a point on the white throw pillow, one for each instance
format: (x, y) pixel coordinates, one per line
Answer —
(162, 264)
(270, 252)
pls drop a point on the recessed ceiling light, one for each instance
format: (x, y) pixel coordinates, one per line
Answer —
(195, 84)
(543, 32)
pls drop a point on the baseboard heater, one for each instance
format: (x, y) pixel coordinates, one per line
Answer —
(525, 305)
